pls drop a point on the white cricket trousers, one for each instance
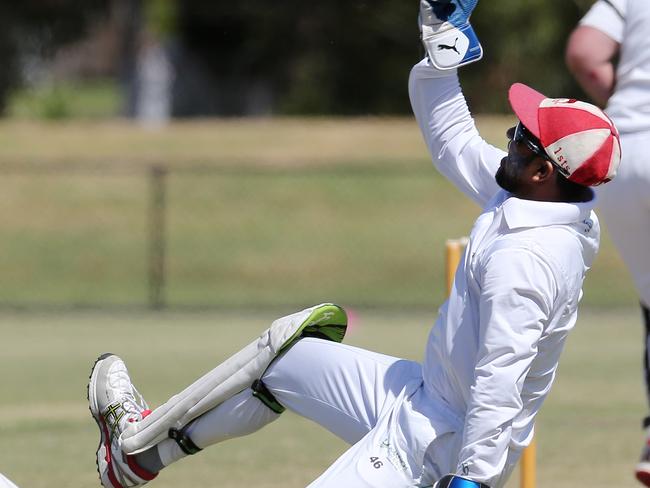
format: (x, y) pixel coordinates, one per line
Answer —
(625, 205)
(373, 401)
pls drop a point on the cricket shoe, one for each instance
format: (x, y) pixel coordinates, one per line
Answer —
(114, 403)
(643, 467)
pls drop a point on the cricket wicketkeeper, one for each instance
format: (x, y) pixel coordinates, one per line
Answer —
(462, 417)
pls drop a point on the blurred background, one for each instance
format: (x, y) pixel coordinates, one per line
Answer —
(175, 174)
(161, 153)
(154, 59)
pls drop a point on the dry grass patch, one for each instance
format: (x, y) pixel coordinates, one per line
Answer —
(283, 142)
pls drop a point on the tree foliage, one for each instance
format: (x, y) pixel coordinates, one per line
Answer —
(36, 28)
(353, 56)
(333, 57)
(523, 41)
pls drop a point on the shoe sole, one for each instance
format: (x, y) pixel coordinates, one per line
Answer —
(102, 454)
(643, 473)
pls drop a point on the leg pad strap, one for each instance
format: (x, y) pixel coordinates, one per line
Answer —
(184, 442)
(261, 392)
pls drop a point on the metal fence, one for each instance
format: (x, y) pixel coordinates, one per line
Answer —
(199, 236)
(115, 235)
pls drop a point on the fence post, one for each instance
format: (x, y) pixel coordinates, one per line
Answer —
(157, 244)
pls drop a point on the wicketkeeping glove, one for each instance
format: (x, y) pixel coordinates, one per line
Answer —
(448, 37)
(455, 481)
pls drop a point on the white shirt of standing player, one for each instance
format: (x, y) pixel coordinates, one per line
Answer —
(624, 21)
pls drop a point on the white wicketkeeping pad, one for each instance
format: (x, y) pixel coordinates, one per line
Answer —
(229, 378)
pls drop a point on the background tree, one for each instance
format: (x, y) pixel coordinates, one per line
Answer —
(293, 57)
(353, 56)
(31, 29)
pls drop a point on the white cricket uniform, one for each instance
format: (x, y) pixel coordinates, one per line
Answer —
(628, 23)
(492, 355)
(490, 358)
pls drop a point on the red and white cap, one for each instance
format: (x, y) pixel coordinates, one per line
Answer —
(577, 136)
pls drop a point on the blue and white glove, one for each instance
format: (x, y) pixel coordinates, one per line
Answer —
(448, 37)
(455, 481)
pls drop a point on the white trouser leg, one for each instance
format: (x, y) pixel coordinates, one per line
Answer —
(242, 415)
(364, 465)
(343, 388)
(238, 416)
(625, 205)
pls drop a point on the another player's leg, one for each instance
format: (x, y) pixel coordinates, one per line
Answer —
(114, 404)
(643, 466)
(629, 196)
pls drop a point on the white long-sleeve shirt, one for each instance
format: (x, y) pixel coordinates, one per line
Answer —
(492, 355)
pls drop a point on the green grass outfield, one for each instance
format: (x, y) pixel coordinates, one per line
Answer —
(259, 213)
(267, 214)
(588, 432)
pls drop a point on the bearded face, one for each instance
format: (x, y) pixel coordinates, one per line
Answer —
(509, 176)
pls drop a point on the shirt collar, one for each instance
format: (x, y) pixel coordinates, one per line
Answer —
(520, 213)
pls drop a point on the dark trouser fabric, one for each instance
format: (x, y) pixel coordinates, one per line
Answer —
(645, 311)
